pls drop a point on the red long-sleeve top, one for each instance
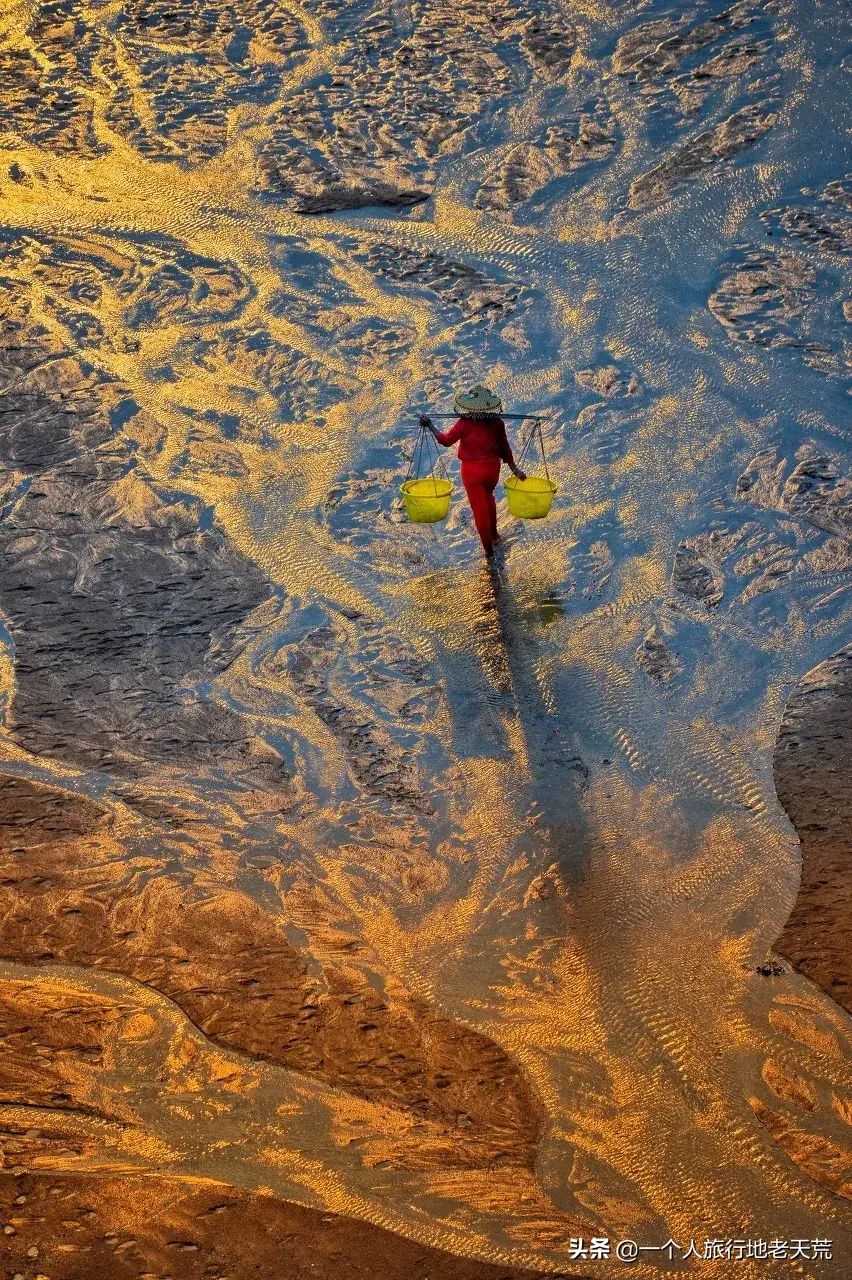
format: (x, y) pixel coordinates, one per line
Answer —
(478, 439)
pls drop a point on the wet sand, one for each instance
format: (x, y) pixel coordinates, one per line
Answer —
(114, 1229)
(813, 775)
(256, 996)
(230, 970)
(92, 1228)
(336, 872)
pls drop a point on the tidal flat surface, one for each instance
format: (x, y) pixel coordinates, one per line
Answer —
(359, 902)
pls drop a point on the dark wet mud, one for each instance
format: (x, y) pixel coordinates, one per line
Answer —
(407, 914)
(812, 775)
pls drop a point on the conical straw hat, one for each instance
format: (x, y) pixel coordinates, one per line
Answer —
(478, 402)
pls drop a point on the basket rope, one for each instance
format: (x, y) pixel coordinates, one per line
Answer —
(426, 443)
(535, 433)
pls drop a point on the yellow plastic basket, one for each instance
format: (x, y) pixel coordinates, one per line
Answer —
(530, 499)
(427, 501)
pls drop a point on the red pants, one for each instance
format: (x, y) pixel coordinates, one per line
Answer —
(480, 481)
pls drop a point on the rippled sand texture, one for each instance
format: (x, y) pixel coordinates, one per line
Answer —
(339, 869)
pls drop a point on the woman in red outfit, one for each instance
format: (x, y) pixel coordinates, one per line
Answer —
(483, 448)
